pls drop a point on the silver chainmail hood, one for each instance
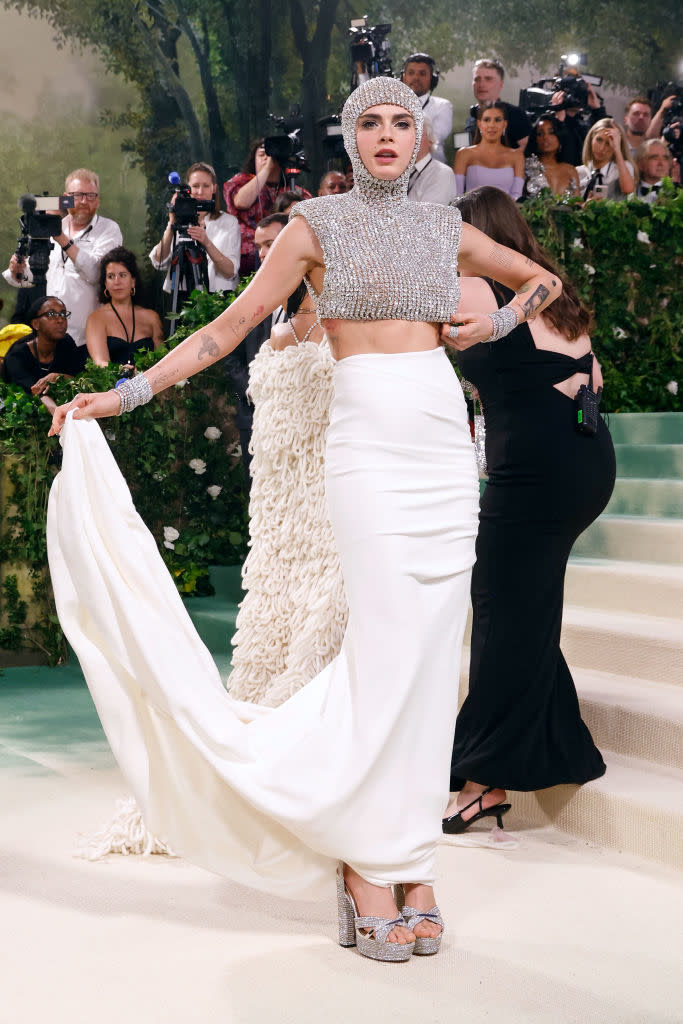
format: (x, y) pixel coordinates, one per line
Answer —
(386, 258)
(371, 94)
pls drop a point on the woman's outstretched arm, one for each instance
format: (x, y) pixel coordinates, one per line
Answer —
(294, 253)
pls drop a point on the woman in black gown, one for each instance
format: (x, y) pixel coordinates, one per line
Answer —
(520, 726)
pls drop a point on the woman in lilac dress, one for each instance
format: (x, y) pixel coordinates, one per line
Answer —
(490, 161)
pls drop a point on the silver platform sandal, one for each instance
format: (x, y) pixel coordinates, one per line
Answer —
(425, 945)
(369, 934)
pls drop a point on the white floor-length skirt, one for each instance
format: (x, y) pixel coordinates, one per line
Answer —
(355, 765)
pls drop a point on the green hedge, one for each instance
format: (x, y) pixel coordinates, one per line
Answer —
(180, 456)
(624, 258)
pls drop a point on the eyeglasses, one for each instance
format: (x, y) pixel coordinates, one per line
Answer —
(55, 314)
(84, 195)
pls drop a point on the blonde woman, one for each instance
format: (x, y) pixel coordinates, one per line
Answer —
(606, 171)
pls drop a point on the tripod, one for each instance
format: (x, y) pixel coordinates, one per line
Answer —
(189, 269)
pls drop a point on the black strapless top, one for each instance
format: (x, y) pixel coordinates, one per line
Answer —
(514, 365)
(122, 351)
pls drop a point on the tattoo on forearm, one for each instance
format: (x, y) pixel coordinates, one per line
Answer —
(524, 288)
(535, 301)
(208, 347)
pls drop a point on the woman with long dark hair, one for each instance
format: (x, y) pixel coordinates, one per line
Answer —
(491, 160)
(547, 142)
(520, 726)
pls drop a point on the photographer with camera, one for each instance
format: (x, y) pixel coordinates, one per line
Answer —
(421, 74)
(576, 118)
(74, 262)
(250, 196)
(217, 233)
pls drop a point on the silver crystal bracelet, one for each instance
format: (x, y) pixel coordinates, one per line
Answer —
(504, 320)
(134, 392)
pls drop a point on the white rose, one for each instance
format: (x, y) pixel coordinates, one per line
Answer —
(110, 435)
(170, 533)
(212, 433)
(577, 243)
(672, 386)
(589, 270)
(214, 490)
(181, 383)
(235, 449)
(197, 466)
(643, 236)
(618, 333)
(167, 544)
(158, 477)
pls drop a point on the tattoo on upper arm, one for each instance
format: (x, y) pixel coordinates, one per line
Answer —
(535, 300)
(525, 288)
(208, 347)
(529, 262)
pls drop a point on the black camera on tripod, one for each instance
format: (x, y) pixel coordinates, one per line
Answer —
(38, 225)
(185, 207)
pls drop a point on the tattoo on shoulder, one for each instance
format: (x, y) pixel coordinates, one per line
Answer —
(208, 347)
(535, 300)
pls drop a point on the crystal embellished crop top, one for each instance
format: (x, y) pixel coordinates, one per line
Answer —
(386, 258)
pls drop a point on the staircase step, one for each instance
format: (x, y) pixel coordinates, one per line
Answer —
(635, 808)
(643, 588)
(634, 646)
(632, 538)
(639, 496)
(646, 427)
(650, 460)
(634, 717)
(214, 619)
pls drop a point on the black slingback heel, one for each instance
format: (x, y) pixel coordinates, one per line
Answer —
(456, 823)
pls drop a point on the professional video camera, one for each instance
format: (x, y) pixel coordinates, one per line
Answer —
(370, 51)
(39, 223)
(672, 130)
(287, 149)
(569, 80)
(185, 207)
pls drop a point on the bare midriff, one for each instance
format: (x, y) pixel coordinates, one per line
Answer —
(385, 337)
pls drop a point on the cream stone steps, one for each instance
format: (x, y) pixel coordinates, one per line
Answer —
(642, 539)
(642, 496)
(645, 588)
(636, 807)
(637, 718)
(644, 646)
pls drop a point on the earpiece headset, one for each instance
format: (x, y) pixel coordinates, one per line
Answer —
(423, 58)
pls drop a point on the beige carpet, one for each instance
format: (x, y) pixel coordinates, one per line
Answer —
(554, 931)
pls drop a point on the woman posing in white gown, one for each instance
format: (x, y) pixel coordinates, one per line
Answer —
(353, 768)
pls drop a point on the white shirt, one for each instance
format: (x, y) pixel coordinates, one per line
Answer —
(76, 282)
(610, 177)
(431, 182)
(224, 233)
(440, 113)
